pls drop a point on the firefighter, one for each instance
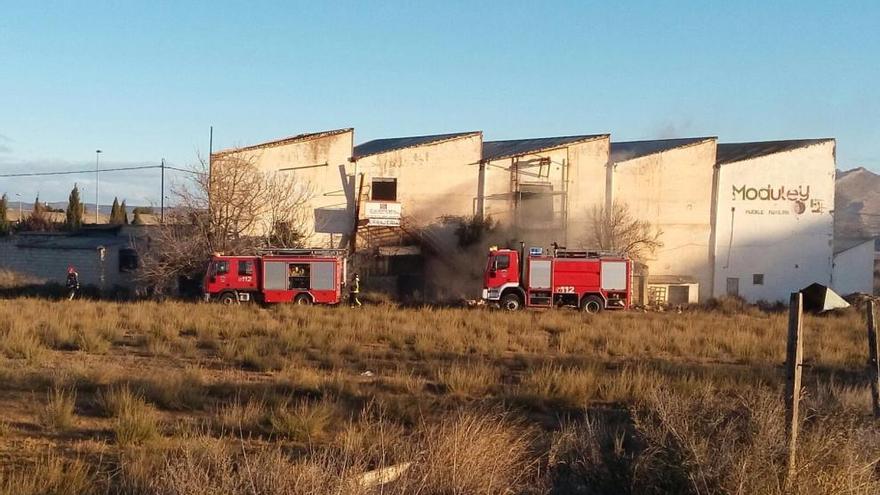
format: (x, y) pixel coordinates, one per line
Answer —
(72, 283)
(354, 290)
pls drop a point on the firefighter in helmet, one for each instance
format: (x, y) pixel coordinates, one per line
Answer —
(72, 283)
(354, 290)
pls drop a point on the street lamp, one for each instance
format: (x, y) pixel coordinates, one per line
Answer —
(18, 195)
(97, 154)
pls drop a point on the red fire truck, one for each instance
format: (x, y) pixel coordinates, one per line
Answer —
(301, 276)
(587, 280)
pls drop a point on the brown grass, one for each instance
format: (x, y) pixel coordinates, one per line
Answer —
(189, 398)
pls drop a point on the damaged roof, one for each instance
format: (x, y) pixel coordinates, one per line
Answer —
(287, 140)
(628, 150)
(496, 150)
(385, 145)
(737, 152)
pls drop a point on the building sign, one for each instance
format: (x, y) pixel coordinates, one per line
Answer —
(798, 197)
(382, 209)
(384, 222)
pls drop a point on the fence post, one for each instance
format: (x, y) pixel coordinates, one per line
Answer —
(793, 368)
(873, 363)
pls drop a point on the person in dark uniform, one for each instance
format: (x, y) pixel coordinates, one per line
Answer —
(354, 290)
(72, 283)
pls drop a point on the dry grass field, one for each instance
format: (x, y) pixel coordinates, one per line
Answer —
(184, 398)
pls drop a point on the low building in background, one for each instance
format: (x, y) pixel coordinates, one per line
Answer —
(853, 263)
(106, 257)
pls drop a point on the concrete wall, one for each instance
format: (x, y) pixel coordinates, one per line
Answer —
(673, 191)
(854, 270)
(788, 240)
(330, 185)
(585, 165)
(435, 180)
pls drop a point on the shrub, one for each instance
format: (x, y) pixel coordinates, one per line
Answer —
(58, 412)
(304, 422)
(475, 379)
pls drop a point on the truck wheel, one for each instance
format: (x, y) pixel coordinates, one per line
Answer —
(228, 298)
(303, 300)
(592, 305)
(511, 302)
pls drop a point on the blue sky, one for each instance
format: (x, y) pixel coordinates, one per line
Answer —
(145, 80)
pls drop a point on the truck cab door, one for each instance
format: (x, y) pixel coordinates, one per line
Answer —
(498, 271)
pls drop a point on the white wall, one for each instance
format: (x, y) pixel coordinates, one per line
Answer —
(854, 270)
(434, 180)
(586, 164)
(329, 185)
(756, 234)
(672, 190)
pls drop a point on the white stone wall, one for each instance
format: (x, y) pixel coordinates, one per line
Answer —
(788, 239)
(854, 270)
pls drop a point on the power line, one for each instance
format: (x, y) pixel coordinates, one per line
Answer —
(74, 172)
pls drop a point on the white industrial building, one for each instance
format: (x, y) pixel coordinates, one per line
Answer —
(774, 224)
(747, 219)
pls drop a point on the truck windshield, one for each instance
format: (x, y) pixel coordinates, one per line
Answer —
(220, 268)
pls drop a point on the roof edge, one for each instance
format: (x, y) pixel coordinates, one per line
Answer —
(461, 135)
(586, 139)
(308, 136)
(808, 142)
(697, 141)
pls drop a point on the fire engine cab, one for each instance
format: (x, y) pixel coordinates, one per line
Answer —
(587, 280)
(301, 276)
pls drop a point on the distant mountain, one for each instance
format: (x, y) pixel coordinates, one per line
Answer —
(857, 203)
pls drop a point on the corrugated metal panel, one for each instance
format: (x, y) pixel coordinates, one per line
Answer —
(736, 152)
(539, 274)
(275, 275)
(496, 150)
(322, 274)
(378, 146)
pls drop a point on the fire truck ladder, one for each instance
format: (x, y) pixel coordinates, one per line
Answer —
(304, 251)
(569, 253)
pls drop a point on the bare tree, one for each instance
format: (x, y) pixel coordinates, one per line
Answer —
(285, 210)
(234, 209)
(615, 229)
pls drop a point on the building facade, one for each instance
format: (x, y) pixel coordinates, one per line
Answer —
(545, 187)
(669, 183)
(774, 224)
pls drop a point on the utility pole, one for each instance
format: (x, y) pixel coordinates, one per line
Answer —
(210, 165)
(97, 155)
(873, 361)
(162, 197)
